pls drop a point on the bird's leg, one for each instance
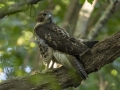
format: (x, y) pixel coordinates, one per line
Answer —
(46, 68)
(47, 56)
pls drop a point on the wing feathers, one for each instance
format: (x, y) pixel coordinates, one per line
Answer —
(59, 39)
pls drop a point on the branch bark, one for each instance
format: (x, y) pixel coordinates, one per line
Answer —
(17, 7)
(102, 53)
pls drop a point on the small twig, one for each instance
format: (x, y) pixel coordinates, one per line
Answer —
(103, 19)
(17, 7)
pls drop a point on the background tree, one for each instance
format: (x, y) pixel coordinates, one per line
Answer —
(19, 55)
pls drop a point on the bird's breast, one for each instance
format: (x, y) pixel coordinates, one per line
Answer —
(41, 41)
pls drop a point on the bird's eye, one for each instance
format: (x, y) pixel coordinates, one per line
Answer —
(44, 14)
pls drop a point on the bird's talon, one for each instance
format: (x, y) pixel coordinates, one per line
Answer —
(44, 71)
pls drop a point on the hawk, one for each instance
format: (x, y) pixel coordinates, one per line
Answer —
(53, 42)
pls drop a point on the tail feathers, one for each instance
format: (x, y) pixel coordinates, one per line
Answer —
(90, 44)
(79, 67)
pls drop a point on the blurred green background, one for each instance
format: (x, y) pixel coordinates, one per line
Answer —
(19, 53)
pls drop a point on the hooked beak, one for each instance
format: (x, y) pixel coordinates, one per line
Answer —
(48, 16)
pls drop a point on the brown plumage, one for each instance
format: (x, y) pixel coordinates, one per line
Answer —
(53, 40)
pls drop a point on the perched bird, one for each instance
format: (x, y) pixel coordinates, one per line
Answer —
(54, 42)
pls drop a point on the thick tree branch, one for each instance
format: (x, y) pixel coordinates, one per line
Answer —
(17, 7)
(104, 52)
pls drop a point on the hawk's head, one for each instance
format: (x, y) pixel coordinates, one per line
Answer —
(44, 17)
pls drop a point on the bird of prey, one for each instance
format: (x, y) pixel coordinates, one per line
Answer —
(53, 40)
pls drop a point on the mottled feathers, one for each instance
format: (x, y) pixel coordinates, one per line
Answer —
(60, 40)
(53, 40)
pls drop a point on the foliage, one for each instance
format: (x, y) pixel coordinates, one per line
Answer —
(19, 52)
(82, 1)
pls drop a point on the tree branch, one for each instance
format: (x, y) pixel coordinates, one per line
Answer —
(17, 7)
(103, 19)
(83, 18)
(104, 52)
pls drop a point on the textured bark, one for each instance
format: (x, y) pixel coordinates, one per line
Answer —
(102, 53)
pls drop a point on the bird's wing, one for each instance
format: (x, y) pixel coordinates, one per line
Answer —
(59, 39)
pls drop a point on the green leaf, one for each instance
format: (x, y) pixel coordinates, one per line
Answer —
(90, 1)
(81, 1)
